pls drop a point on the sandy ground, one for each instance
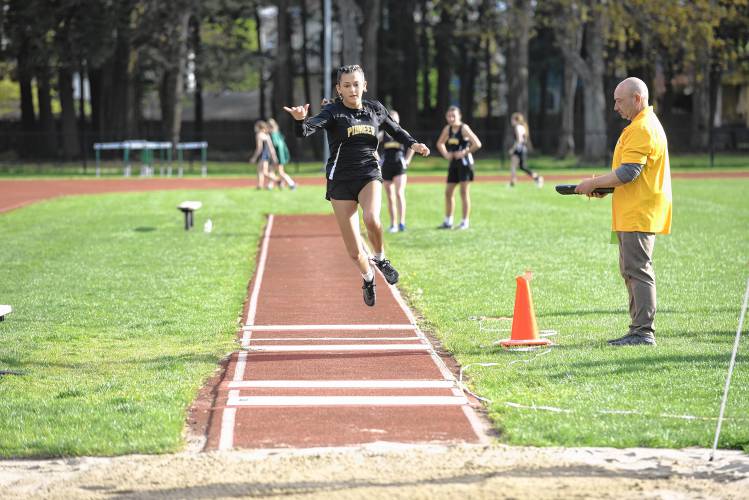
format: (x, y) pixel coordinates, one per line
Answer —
(387, 471)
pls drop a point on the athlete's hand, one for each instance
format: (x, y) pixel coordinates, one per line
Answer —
(421, 148)
(298, 112)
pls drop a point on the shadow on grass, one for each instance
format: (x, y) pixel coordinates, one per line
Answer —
(144, 229)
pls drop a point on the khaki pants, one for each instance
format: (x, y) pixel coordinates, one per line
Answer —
(636, 267)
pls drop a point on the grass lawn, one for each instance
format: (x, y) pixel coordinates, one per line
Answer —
(120, 314)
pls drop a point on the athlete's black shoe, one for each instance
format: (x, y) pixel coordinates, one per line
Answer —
(391, 275)
(369, 292)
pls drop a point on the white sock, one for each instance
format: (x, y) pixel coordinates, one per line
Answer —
(379, 256)
(464, 222)
(368, 276)
(449, 220)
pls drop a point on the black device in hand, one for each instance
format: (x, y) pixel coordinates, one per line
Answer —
(570, 189)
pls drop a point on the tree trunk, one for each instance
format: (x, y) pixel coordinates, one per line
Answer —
(28, 115)
(69, 130)
(370, 29)
(593, 92)
(283, 78)
(566, 146)
(406, 103)
(305, 62)
(700, 133)
(426, 64)
(444, 44)
(198, 91)
(521, 19)
(173, 84)
(261, 69)
(48, 135)
(348, 17)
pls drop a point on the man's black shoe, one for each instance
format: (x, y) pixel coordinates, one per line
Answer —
(369, 292)
(632, 339)
(391, 275)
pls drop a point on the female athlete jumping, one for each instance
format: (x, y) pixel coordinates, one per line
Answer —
(352, 172)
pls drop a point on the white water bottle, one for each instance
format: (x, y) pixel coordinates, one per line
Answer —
(208, 226)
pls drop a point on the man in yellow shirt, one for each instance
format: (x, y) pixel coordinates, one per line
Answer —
(641, 207)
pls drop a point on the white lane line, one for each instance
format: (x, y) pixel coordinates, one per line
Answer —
(339, 347)
(343, 384)
(241, 364)
(348, 401)
(226, 437)
(300, 328)
(252, 310)
(327, 339)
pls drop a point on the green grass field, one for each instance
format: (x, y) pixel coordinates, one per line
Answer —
(120, 314)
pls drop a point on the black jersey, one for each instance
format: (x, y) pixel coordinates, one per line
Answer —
(393, 151)
(456, 141)
(352, 134)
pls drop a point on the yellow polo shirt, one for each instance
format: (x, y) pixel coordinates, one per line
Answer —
(644, 204)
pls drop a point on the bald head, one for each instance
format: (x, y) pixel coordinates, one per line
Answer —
(634, 85)
(630, 97)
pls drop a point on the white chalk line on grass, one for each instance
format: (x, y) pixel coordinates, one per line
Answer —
(554, 409)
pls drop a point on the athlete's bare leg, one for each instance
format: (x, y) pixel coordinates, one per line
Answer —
(514, 162)
(465, 198)
(400, 192)
(370, 199)
(390, 192)
(347, 216)
(450, 199)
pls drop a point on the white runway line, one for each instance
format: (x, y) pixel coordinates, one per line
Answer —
(226, 437)
(241, 364)
(328, 339)
(252, 310)
(338, 347)
(343, 384)
(294, 328)
(348, 401)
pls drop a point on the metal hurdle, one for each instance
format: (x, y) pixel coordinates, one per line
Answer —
(202, 146)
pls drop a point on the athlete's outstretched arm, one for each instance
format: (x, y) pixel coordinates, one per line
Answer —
(400, 135)
(305, 126)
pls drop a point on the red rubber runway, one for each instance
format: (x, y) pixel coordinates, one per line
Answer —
(318, 368)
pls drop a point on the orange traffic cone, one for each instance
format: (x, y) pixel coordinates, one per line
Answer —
(524, 327)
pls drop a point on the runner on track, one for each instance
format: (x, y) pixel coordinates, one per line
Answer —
(457, 143)
(519, 150)
(353, 173)
(395, 161)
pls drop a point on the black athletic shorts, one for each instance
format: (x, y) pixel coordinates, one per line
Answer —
(390, 170)
(347, 190)
(457, 172)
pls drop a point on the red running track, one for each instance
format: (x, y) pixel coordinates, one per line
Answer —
(15, 193)
(318, 368)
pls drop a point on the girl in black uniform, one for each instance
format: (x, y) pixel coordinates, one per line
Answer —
(457, 143)
(353, 173)
(395, 161)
